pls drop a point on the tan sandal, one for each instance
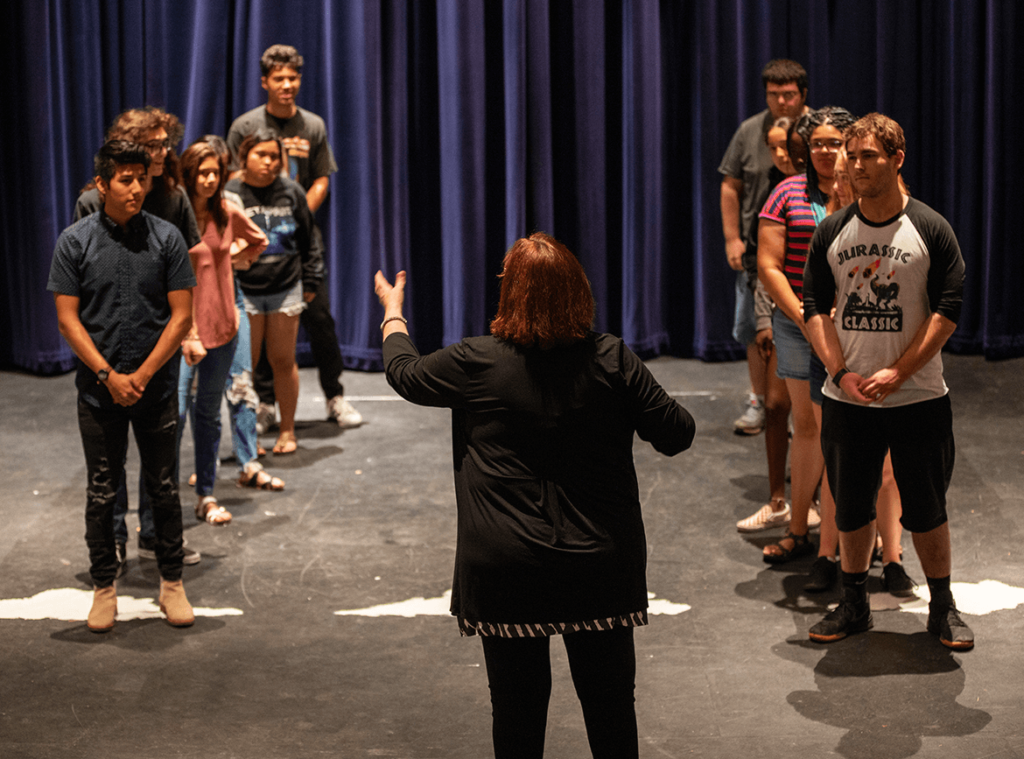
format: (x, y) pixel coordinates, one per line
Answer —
(208, 511)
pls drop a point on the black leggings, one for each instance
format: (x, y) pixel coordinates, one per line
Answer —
(603, 667)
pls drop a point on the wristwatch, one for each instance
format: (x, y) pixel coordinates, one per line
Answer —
(104, 373)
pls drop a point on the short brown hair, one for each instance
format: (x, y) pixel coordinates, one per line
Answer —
(132, 124)
(545, 295)
(888, 133)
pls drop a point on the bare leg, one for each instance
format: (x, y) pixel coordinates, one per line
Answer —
(829, 535)
(889, 509)
(934, 551)
(776, 431)
(282, 331)
(756, 367)
(807, 461)
(855, 549)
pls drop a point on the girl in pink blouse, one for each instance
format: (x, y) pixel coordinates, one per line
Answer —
(209, 351)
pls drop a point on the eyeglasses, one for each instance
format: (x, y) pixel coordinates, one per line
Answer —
(788, 95)
(832, 146)
(155, 146)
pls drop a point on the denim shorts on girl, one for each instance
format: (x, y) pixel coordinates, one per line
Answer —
(793, 351)
(289, 302)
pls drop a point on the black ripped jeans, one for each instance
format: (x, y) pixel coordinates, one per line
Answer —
(105, 441)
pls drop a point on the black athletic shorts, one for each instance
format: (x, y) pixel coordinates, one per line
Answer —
(854, 440)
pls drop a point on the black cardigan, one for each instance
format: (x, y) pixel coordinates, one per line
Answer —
(549, 524)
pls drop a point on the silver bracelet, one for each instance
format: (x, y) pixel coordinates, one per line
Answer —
(393, 319)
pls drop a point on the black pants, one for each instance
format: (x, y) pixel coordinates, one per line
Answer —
(105, 441)
(603, 667)
(323, 342)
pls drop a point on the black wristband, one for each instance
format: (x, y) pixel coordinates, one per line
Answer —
(839, 376)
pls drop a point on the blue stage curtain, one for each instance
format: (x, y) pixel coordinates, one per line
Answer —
(460, 125)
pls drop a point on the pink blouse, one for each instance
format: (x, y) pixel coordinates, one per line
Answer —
(213, 299)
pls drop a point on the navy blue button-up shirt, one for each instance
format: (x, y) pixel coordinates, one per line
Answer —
(121, 277)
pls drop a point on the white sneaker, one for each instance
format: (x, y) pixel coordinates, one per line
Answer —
(342, 412)
(266, 418)
(752, 421)
(764, 519)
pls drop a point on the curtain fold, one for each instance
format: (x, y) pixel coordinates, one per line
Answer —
(459, 125)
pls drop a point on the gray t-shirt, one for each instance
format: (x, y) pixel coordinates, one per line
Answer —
(748, 158)
(304, 134)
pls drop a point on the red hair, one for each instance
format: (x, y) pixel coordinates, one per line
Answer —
(545, 295)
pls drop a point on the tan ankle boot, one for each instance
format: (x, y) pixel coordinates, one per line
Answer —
(104, 609)
(174, 604)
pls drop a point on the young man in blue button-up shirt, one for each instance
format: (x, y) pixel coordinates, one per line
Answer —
(122, 283)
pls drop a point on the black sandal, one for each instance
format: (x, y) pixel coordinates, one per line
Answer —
(801, 546)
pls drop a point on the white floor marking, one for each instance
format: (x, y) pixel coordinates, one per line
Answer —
(416, 607)
(976, 598)
(73, 604)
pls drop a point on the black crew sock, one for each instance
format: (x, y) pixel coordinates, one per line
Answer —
(942, 596)
(855, 588)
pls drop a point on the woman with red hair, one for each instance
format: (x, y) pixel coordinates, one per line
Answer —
(550, 535)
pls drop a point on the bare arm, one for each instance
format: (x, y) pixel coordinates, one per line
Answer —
(927, 342)
(771, 258)
(732, 191)
(821, 332)
(317, 192)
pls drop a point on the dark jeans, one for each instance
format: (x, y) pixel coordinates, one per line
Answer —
(603, 667)
(105, 441)
(323, 342)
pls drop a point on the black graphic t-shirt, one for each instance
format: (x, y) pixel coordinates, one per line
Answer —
(885, 280)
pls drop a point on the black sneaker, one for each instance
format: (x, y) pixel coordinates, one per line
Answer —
(822, 576)
(952, 631)
(896, 581)
(844, 620)
(122, 559)
(148, 552)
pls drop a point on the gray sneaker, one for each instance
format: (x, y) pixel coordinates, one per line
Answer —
(266, 418)
(953, 632)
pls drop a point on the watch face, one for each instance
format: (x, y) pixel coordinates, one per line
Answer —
(103, 374)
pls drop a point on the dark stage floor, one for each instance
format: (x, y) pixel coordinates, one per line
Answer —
(270, 668)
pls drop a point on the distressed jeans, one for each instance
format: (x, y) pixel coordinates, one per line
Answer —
(105, 442)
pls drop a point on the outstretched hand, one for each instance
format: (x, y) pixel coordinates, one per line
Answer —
(392, 297)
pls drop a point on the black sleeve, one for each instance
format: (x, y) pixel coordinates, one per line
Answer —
(946, 267)
(659, 419)
(438, 379)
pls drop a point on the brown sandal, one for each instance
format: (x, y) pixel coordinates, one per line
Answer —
(259, 479)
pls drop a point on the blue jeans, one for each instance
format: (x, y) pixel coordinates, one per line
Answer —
(241, 397)
(203, 410)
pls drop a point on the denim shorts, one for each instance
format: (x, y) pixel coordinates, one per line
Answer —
(744, 325)
(793, 351)
(289, 302)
